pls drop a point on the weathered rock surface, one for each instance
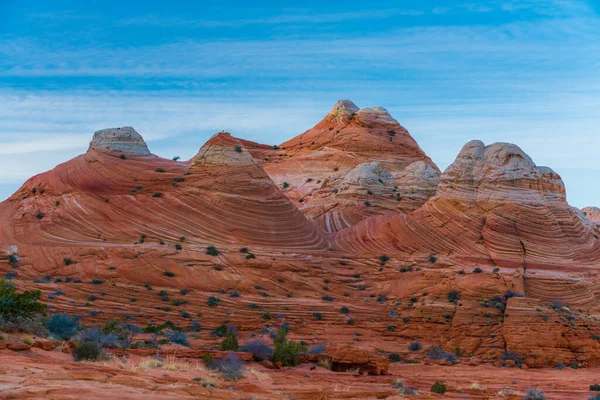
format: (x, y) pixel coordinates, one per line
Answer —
(383, 251)
(331, 171)
(119, 140)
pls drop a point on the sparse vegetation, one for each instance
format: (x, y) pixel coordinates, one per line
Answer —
(453, 296)
(88, 351)
(534, 394)
(212, 251)
(287, 352)
(438, 387)
(213, 301)
(63, 327)
(259, 348)
(415, 346)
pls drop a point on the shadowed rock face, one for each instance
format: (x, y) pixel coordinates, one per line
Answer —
(121, 140)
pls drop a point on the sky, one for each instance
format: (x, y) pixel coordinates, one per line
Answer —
(520, 71)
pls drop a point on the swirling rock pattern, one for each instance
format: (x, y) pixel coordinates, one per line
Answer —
(439, 259)
(354, 164)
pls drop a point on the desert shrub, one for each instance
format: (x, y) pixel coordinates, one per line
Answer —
(432, 259)
(438, 387)
(212, 251)
(437, 353)
(88, 351)
(231, 367)
(103, 340)
(230, 342)
(178, 337)
(383, 259)
(381, 299)
(317, 315)
(415, 346)
(477, 270)
(62, 326)
(595, 397)
(34, 325)
(68, 261)
(259, 348)
(178, 246)
(219, 331)
(394, 357)
(97, 281)
(287, 352)
(157, 194)
(169, 274)
(511, 356)
(213, 301)
(317, 348)
(19, 305)
(403, 389)
(344, 310)
(595, 387)
(534, 394)
(453, 296)
(560, 366)
(509, 293)
(327, 298)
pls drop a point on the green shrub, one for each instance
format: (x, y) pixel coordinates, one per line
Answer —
(213, 301)
(383, 259)
(68, 261)
(23, 305)
(89, 351)
(438, 387)
(169, 274)
(453, 296)
(230, 342)
(394, 357)
(286, 352)
(212, 251)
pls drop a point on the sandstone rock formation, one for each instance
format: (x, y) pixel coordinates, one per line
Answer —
(221, 196)
(353, 164)
(493, 206)
(119, 140)
(486, 260)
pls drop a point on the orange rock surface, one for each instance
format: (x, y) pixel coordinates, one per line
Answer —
(348, 232)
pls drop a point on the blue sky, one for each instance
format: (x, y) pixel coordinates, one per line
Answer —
(519, 71)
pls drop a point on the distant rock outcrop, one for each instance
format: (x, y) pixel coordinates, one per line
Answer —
(119, 140)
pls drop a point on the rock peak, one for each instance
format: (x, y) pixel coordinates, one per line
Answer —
(344, 107)
(121, 140)
(223, 149)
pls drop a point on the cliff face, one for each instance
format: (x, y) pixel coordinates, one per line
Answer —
(350, 213)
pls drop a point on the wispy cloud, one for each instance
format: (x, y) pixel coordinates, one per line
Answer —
(501, 77)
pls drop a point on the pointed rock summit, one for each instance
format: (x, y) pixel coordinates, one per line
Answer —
(119, 140)
(223, 149)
